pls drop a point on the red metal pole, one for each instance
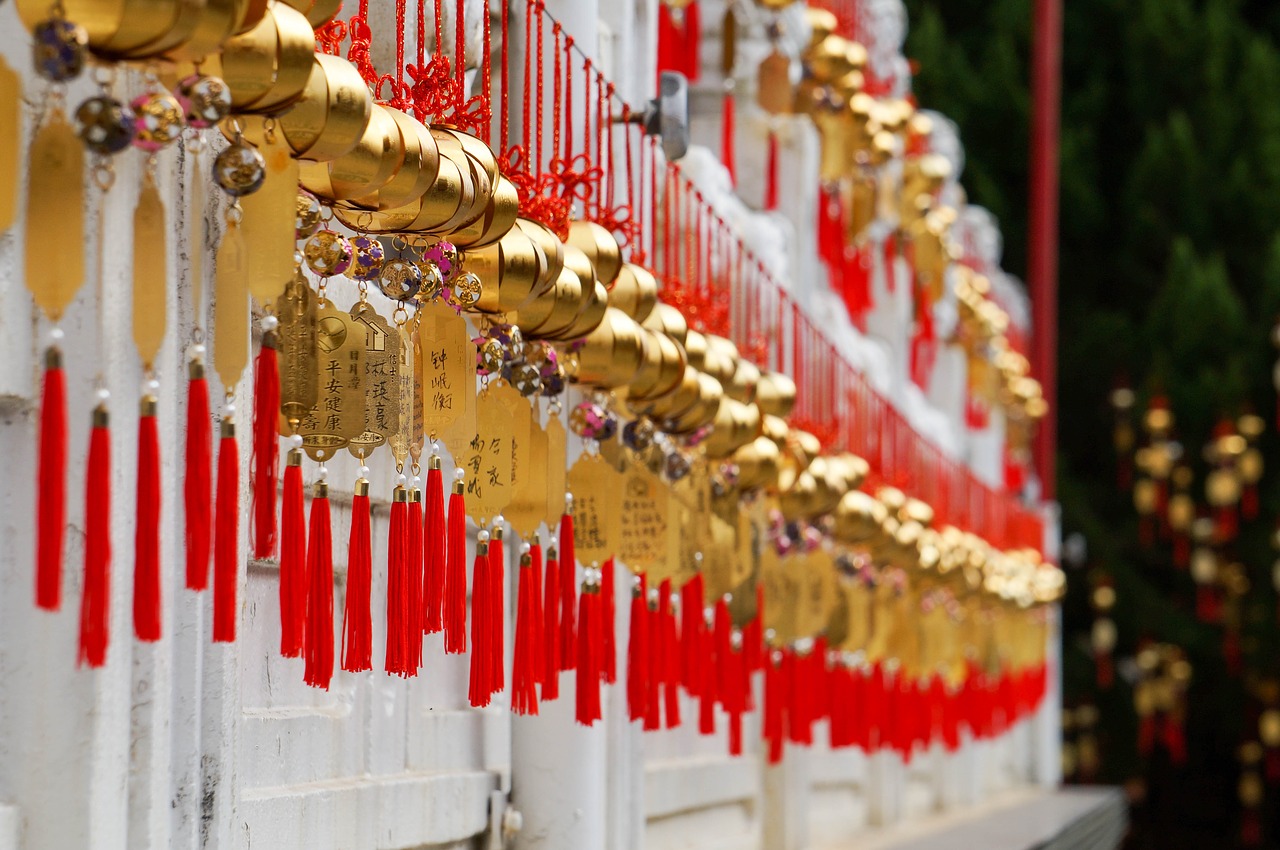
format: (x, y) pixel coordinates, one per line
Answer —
(1042, 236)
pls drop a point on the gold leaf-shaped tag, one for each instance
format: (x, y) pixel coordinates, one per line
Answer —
(150, 272)
(407, 396)
(488, 459)
(381, 380)
(597, 524)
(296, 338)
(231, 309)
(643, 532)
(718, 557)
(774, 91)
(10, 127)
(196, 239)
(339, 412)
(557, 479)
(528, 505)
(55, 205)
(445, 351)
(269, 214)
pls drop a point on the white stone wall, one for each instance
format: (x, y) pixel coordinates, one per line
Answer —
(185, 744)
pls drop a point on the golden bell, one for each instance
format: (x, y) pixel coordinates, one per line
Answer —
(470, 202)
(776, 394)
(821, 22)
(680, 400)
(721, 361)
(600, 247)
(589, 315)
(294, 49)
(704, 410)
(668, 320)
(248, 63)
(742, 386)
(551, 250)
(661, 372)
(366, 169)
(612, 354)
(417, 170)
(858, 517)
(318, 12)
(330, 118)
(829, 60)
(634, 291)
(758, 463)
(498, 219)
(735, 425)
(776, 429)
(695, 345)
(914, 510)
(508, 271)
(828, 485)
(803, 445)
(799, 499)
(218, 20)
(587, 306)
(555, 308)
(427, 214)
(254, 10)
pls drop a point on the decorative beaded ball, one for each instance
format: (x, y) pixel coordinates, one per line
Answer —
(328, 253)
(307, 219)
(638, 435)
(590, 421)
(525, 378)
(158, 120)
(205, 100)
(240, 170)
(463, 291)
(490, 355)
(368, 258)
(400, 279)
(432, 281)
(105, 125)
(676, 465)
(445, 256)
(58, 49)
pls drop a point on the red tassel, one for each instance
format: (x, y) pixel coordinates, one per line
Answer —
(319, 635)
(551, 627)
(524, 693)
(197, 483)
(539, 625)
(735, 699)
(95, 606)
(723, 648)
(51, 483)
(1175, 739)
(396, 661)
(455, 578)
(638, 653)
(434, 545)
(588, 667)
(608, 624)
(771, 173)
(707, 693)
(226, 541)
(414, 566)
(670, 656)
(479, 692)
(692, 625)
(293, 559)
(265, 460)
(568, 593)
(774, 711)
(727, 136)
(497, 611)
(357, 618)
(654, 663)
(146, 538)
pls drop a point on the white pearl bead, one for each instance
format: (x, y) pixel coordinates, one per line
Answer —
(269, 323)
(103, 394)
(459, 473)
(482, 536)
(153, 385)
(295, 440)
(57, 334)
(364, 472)
(401, 479)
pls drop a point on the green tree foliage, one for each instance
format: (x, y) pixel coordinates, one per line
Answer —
(1169, 278)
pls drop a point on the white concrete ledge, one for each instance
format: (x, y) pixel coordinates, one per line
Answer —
(684, 785)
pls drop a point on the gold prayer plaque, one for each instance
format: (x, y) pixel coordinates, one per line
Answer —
(447, 361)
(296, 337)
(643, 540)
(382, 358)
(557, 480)
(55, 204)
(338, 415)
(597, 502)
(269, 220)
(150, 272)
(528, 505)
(488, 459)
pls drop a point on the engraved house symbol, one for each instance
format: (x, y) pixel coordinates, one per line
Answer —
(375, 338)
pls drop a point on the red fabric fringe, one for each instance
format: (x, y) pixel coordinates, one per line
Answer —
(197, 483)
(497, 614)
(146, 538)
(479, 692)
(95, 605)
(398, 621)
(51, 485)
(434, 544)
(692, 625)
(414, 567)
(679, 34)
(293, 563)
(608, 624)
(638, 654)
(319, 633)
(568, 593)
(357, 618)
(226, 541)
(670, 657)
(524, 693)
(654, 664)
(774, 710)
(771, 173)
(455, 579)
(588, 667)
(540, 671)
(551, 627)
(727, 129)
(265, 459)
